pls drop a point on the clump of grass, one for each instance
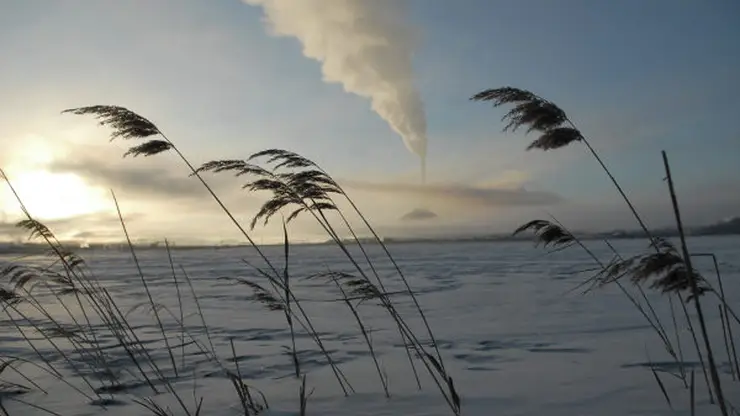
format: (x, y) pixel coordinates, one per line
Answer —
(296, 187)
(299, 185)
(26, 301)
(667, 268)
(696, 291)
(556, 130)
(552, 234)
(128, 125)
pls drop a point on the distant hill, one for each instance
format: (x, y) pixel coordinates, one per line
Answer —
(728, 226)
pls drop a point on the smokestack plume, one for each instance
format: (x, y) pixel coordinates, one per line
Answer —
(363, 45)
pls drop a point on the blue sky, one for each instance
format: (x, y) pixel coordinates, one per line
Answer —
(636, 76)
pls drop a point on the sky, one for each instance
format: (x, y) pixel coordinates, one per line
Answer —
(226, 78)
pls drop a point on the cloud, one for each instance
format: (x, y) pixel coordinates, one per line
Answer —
(419, 214)
(149, 180)
(406, 209)
(142, 181)
(165, 201)
(458, 194)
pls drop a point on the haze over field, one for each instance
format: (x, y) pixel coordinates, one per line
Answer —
(368, 90)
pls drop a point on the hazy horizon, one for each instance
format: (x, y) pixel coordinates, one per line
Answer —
(367, 90)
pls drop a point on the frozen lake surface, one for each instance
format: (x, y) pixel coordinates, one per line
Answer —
(513, 337)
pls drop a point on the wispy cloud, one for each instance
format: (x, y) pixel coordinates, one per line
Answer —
(459, 194)
(152, 181)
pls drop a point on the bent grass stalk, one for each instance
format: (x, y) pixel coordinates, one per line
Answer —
(384, 291)
(307, 326)
(38, 229)
(113, 319)
(200, 311)
(679, 347)
(363, 330)
(557, 130)
(656, 325)
(537, 113)
(7, 361)
(725, 310)
(145, 285)
(179, 303)
(127, 124)
(380, 242)
(727, 342)
(42, 356)
(111, 316)
(398, 270)
(299, 187)
(695, 292)
(288, 312)
(284, 193)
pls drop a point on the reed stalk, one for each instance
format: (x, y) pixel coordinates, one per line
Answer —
(695, 292)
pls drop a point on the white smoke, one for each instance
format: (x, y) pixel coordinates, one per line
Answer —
(363, 45)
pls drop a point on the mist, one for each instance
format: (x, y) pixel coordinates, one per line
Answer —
(366, 47)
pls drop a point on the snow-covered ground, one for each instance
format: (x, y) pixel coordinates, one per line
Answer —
(513, 337)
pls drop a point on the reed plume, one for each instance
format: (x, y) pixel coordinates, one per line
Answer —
(555, 128)
(667, 269)
(303, 190)
(534, 112)
(695, 290)
(123, 122)
(300, 185)
(127, 124)
(306, 191)
(547, 233)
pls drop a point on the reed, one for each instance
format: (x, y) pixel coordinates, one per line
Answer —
(555, 235)
(98, 315)
(667, 268)
(295, 183)
(696, 291)
(66, 276)
(299, 187)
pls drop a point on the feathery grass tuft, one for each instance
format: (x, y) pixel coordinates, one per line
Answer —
(556, 138)
(298, 184)
(303, 190)
(125, 123)
(149, 148)
(9, 297)
(665, 268)
(547, 233)
(261, 294)
(35, 228)
(534, 112)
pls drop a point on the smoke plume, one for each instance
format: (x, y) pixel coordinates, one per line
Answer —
(363, 45)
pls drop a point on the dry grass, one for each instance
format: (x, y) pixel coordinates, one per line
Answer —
(668, 268)
(296, 186)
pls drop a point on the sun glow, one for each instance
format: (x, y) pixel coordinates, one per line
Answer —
(52, 196)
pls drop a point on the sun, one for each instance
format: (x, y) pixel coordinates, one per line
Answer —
(47, 195)
(52, 196)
